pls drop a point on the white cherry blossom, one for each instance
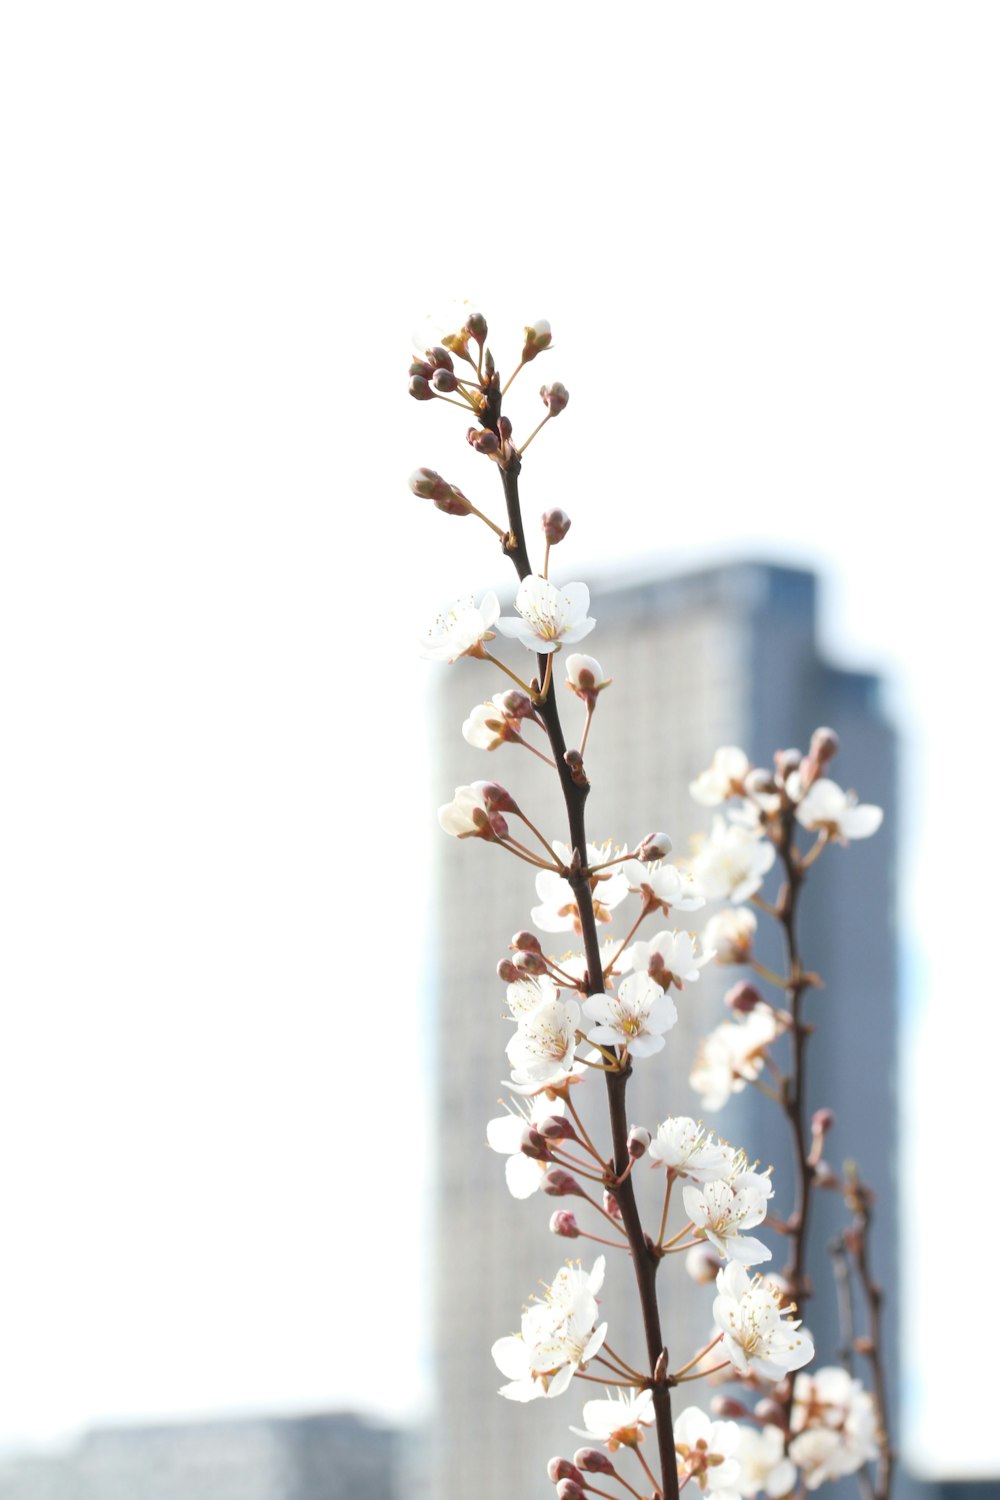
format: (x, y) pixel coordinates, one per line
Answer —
(758, 1336)
(730, 934)
(723, 779)
(825, 1403)
(528, 993)
(489, 726)
(558, 911)
(557, 1336)
(618, 1421)
(706, 1454)
(461, 628)
(575, 964)
(467, 815)
(763, 1464)
(722, 1210)
(686, 1148)
(732, 1056)
(543, 1046)
(826, 808)
(732, 862)
(549, 617)
(635, 1018)
(670, 957)
(508, 1133)
(664, 885)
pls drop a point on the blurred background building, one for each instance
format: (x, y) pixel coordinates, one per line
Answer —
(329, 1456)
(725, 656)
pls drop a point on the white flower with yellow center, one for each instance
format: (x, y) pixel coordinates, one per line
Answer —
(763, 1465)
(557, 1336)
(722, 1211)
(732, 862)
(461, 628)
(723, 779)
(665, 886)
(758, 1336)
(733, 1055)
(826, 808)
(669, 958)
(705, 1454)
(618, 1421)
(635, 1018)
(730, 934)
(687, 1149)
(527, 994)
(543, 1046)
(508, 1133)
(550, 617)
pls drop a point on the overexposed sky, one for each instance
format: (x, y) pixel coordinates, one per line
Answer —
(767, 240)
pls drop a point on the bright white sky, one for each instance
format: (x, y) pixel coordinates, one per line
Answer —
(767, 239)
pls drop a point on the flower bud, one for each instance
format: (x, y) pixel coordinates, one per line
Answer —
(560, 1184)
(421, 367)
(483, 440)
(504, 428)
(507, 972)
(515, 704)
(785, 762)
(496, 797)
(537, 336)
(638, 1142)
(823, 1121)
(568, 1489)
(743, 997)
(444, 380)
(564, 1223)
(557, 1128)
(653, 846)
(440, 358)
(561, 1468)
(611, 1205)
(555, 524)
(489, 368)
(475, 327)
(525, 942)
(419, 389)
(593, 1461)
(556, 397)
(574, 761)
(447, 497)
(702, 1265)
(823, 746)
(530, 963)
(536, 1146)
(499, 826)
(727, 1407)
(585, 678)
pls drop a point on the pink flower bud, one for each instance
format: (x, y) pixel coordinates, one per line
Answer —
(444, 380)
(557, 1128)
(823, 746)
(504, 428)
(430, 485)
(440, 358)
(785, 762)
(483, 440)
(475, 327)
(638, 1142)
(555, 396)
(759, 782)
(530, 963)
(825, 1176)
(498, 826)
(536, 1146)
(611, 1205)
(559, 1184)
(561, 1468)
(421, 367)
(654, 846)
(702, 1265)
(507, 972)
(823, 1121)
(525, 942)
(496, 797)
(420, 389)
(515, 704)
(555, 524)
(564, 1223)
(568, 1489)
(743, 997)
(536, 338)
(727, 1407)
(593, 1461)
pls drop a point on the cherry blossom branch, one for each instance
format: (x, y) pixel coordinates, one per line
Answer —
(575, 789)
(859, 1199)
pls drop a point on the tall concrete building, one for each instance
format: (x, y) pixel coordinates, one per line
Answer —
(728, 655)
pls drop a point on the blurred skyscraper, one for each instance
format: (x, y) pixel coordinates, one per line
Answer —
(726, 656)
